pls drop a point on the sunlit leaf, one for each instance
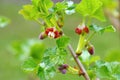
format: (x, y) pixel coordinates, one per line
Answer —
(62, 42)
(91, 8)
(29, 65)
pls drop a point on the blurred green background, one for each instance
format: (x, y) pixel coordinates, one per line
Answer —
(20, 29)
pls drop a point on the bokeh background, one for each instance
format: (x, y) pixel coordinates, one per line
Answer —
(20, 29)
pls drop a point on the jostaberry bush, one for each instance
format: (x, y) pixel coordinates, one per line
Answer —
(50, 16)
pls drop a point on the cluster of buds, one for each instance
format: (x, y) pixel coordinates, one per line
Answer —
(63, 68)
(50, 32)
(82, 29)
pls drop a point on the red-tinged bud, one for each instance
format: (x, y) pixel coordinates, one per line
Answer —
(42, 35)
(78, 30)
(49, 30)
(85, 29)
(64, 71)
(65, 66)
(91, 50)
(57, 34)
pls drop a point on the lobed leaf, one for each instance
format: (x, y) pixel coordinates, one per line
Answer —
(62, 42)
(29, 12)
(91, 8)
(106, 70)
(29, 65)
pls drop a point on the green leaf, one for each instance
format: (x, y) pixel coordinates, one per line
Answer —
(37, 51)
(96, 28)
(48, 3)
(52, 57)
(103, 72)
(29, 48)
(87, 59)
(99, 15)
(60, 6)
(29, 12)
(29, 65)
(106, 70)
(4, 21)
(62, 42)
(91, 8)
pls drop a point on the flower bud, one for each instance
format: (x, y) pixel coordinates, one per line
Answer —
(64, 71)
(91, 50)
(86, 29)
(42, 36)
(57, 34)
(78, 30)
(63, 68)
(49, 30)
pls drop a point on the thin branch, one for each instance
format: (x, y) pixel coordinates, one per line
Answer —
(78, 63)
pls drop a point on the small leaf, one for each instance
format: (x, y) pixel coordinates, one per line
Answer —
(62, 42)
(29, 12)
(29, 65)
(96, 28)
(4, 21)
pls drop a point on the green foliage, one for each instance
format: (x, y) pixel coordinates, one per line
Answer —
(107, 70)
(44, 62)
(29, 48)
(4, 21)
(52, 57)
(62, 42)
(87, 59)
(99, 68)
(101, 30)
(91, 8)
(29, 65)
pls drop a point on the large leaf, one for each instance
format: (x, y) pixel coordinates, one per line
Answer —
(91, 8)
(107, 70)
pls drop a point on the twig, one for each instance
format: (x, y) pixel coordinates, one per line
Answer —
(78, 63)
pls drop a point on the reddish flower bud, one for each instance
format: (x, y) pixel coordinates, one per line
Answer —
(91, 50)
(85, 29)
(42, 35)
(64, 71)
(49, 30)
(52, 32)
(63, 68)
(78, 30)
